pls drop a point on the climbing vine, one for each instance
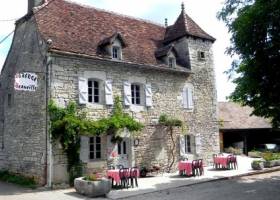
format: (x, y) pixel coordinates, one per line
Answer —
(69, 123)
(170, 123)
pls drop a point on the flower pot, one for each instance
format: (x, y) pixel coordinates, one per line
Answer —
(257, 165)
(92, 188)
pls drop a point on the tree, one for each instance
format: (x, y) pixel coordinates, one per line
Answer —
(255, 29)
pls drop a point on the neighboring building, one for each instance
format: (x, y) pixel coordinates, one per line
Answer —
(69, 52)
(240, 129)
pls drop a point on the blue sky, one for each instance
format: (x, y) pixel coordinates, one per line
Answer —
(202, 11)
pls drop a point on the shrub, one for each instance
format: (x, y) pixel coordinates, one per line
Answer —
(269, 156)
(233, 150)
(17, 179)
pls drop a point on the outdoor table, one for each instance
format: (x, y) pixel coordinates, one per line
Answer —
(221, 160)
(185, 166)
(115, 174)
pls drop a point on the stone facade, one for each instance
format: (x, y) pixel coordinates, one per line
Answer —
(167, 87)
(23, 116)
(24, 113)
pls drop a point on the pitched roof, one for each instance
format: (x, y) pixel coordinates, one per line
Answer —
(185, 26)
(234, 116)
(80, 29)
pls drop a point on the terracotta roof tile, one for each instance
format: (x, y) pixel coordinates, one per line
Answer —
(80, 29)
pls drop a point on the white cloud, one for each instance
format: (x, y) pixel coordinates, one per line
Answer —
(202, 11)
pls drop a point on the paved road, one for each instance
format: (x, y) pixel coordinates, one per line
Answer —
(257, 187)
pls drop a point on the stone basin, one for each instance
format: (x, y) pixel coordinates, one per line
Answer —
(92, 188)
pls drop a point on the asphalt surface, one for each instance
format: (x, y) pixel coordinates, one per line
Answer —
(257, 187)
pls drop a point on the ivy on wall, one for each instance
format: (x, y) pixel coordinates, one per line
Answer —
(69, 123)
(171, 123)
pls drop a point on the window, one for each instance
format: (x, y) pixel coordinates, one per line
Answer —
(135, 94)
(171, 62)
(9, 100)
(187, 142)
(122, 148)
(93, 91)
(188, 98)
(95, 148)
(201, 55)
(116, 52)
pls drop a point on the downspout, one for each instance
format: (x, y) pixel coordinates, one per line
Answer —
(49, 175)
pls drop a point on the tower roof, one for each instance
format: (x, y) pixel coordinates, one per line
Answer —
(185, 26)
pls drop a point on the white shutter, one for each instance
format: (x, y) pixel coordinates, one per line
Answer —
(193, 145)
(190, 98)
(109, 92)
(182, 145)
(83, 90)
(149, 98)
(185, 99)
(127, 93)
(198, 144)
(84, 151)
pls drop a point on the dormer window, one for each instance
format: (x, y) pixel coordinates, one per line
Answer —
(116, 52)
(171, 62)
(112, 46)
(167, 55)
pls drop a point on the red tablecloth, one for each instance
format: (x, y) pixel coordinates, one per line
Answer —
(185, 166)
(115, 174)
(222, 160)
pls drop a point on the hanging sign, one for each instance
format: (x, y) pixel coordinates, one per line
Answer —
(26, 81)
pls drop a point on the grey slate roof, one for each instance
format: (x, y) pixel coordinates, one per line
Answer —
(234, 116)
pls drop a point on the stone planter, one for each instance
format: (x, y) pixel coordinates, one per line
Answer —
(277, 162)
(254, 154)
(269, 164)
(257, 165)
(92, 188)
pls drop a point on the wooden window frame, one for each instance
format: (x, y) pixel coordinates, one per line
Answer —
(135, 94)
(94, 91)
(95, 148)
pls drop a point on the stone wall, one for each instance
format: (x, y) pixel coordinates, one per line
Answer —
(167, 87)
(24, 133)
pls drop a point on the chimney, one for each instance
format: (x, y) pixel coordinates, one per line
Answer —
(34, 3)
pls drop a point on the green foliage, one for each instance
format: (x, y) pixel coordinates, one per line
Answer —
(255, 29)
(93, 177)
(269, 156)
(233, 150)
(164, 120)
(17, 179)
(68, 124)
(167, 121)
(256, 162)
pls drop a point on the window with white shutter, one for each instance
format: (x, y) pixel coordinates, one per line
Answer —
(127, 93)
(83, 90)
(188, 98)
(93, 91)
(148, 93)
(186, 144)
(109, 92)
(135, 94)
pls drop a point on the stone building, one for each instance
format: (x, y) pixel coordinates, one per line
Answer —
(69, 52)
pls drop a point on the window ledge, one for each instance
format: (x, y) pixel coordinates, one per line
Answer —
(137, 108)
(189, 110)
(96, 105)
